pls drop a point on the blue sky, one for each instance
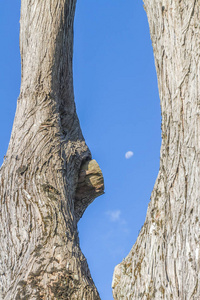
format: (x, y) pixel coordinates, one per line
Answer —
(118, 106)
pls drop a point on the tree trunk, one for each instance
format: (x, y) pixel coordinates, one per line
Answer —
(48, 178)
(164, 263)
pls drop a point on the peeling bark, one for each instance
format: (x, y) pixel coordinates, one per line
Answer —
(164, 263)
(40, 257)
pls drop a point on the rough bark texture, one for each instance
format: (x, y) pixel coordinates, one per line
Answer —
(48, 178)
(164, 263)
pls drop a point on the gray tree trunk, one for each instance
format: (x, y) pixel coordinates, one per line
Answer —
(164, 263)
(48, 178)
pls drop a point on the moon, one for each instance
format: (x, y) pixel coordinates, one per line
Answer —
(128, 154)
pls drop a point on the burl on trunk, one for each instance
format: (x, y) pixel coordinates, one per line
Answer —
(48, 177)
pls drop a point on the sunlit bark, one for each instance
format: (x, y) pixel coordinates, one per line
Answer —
(164, 263)
(48, 178)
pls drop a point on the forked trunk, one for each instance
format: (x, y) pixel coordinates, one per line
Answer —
(48, 178)
(164, 263)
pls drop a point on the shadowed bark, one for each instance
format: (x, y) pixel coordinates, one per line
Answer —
(164, 263)
(48, 177)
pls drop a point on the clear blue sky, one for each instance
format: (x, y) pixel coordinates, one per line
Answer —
(118, 106)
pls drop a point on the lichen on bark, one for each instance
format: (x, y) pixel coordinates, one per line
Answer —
(164, 263)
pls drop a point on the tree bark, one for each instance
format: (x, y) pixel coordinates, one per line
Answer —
(164, 263)
(48, 178)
